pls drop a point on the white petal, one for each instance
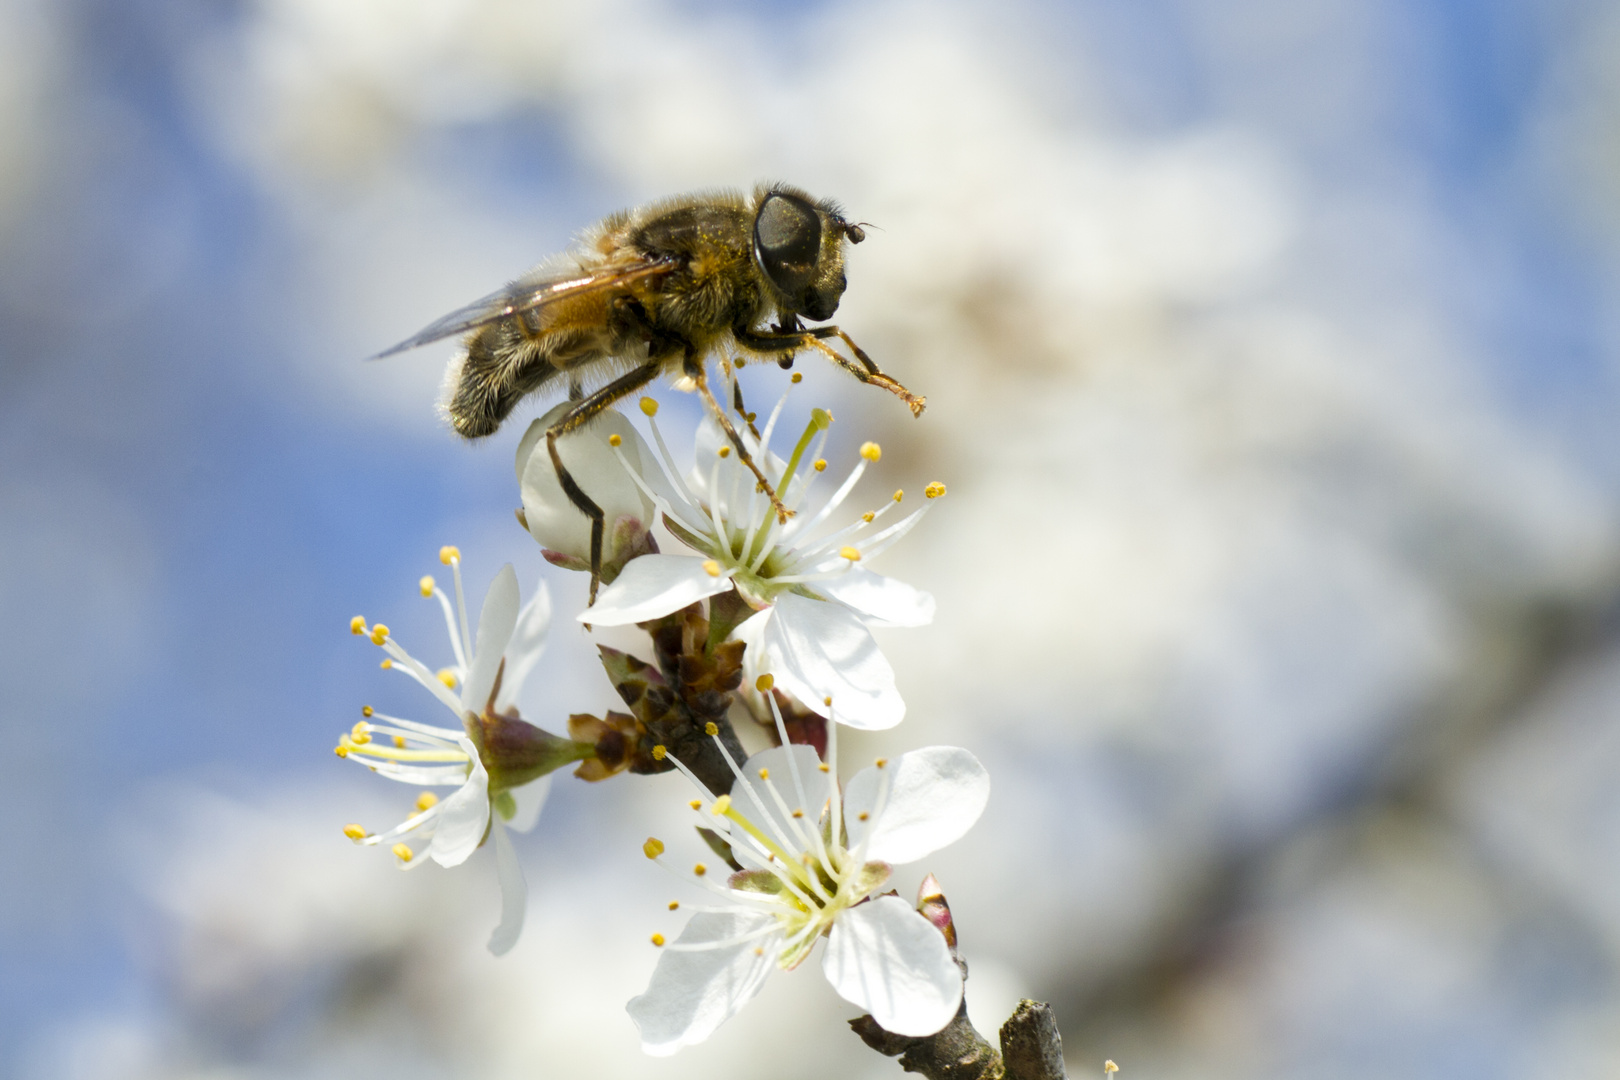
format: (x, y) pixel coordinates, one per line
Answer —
(523, 651)
(496, 621)
(817, 649)
(463, 817)
(692, 993)
(529, 798)
(755, 802)
(553, 520)
(889, 960)
(934, 796)
(514, 894)
(883, 601)
(654, 585)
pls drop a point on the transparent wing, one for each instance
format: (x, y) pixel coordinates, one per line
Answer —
(526, 295)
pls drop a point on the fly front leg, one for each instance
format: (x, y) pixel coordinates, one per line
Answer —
(694, 371)
(862, 367)
(577, 416)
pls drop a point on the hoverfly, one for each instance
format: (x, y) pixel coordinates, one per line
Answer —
(650, 292)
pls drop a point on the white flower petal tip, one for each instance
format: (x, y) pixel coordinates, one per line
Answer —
(496, 622)
(716, 967)
(818, 650)
(656, 585)
(886, 958)
(916, 803)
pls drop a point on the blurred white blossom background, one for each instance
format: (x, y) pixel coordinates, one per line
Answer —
(1270, 364)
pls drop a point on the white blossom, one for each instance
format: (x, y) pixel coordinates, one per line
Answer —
(812, 860)
(561, 529)
(813, 597)
(483, 682)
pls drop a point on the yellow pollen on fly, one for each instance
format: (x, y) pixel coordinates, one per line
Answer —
(403, 852)
(379, 634)
(354, 832)
(446, 676)
(357, 625)
(649, 406)
(711, 729)
(871, 451)
(653, 848)
(449, 554)
(426, 801)
(934, 490)
(658, 940)
(711, 568)
(724, 451)
(820, 464)
(426, 585)
(614, 440)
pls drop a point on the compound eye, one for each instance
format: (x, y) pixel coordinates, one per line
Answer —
(787, 242)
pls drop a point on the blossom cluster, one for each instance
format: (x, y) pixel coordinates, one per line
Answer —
(760, 620)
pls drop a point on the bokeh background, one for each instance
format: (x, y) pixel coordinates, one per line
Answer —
(1272, 364)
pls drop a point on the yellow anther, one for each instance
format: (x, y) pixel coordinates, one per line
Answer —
(1109, 1067)
(700, 869)
(862, 815)
(764, 683)
(659, 752)
(446, 676)
(798, 813)
(899, 494)
(366, 710)
(426, 585)
(449, 554)
(403, 852)
(759, 950)
(798, 377)
(852, 554)
(711, 729)
(820, 464)
(868, 516)
(360, 733)
(653, 848)
(426, 801)
(871, 451)
(764, 774)
(882, 761)
(357, 625)
(824, 767)
(674, 904)
(721, 806)
(355, 832)
(658, 940)
(399, 742)
(614, 440)
(827, 701)
(340, 750)
(379, 634)
(649, 406)
(386, 664)
(696, 804)
(711, 567)
(820, 419)
(751, 417)
(725, 451)
(934, 490)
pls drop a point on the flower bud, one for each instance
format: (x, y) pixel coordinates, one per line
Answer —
(561, 528)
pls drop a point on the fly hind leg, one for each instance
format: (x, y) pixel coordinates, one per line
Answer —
(575, 418)
(694, 371)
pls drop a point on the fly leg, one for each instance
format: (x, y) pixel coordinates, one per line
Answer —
(862, 367)
(694, 371)
(577, 416)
